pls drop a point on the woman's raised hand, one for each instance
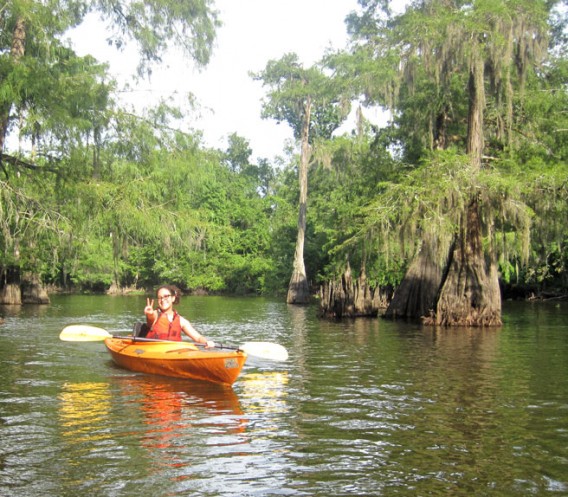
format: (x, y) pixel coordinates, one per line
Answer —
(149, 309)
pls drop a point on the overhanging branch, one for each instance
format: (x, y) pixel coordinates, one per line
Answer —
(15, 161)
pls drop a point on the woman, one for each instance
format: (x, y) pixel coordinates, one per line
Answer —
(165, 323)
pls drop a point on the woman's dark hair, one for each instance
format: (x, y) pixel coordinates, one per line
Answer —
(174, 290)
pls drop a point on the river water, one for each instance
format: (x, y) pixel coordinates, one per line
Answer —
(365, 408)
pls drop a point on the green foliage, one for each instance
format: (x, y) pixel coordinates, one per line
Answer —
(29, 225)
(296, 92)
(157, 25)
(238, 154)
(93, 269)
(418, 64)
(105, 197)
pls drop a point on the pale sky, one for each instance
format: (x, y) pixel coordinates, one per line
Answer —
(253, 32)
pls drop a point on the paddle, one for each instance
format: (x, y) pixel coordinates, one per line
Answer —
(86, 333)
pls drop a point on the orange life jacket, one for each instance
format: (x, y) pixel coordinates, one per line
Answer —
(164, 329)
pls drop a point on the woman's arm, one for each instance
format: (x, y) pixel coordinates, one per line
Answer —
(150, 313)
(192, 333)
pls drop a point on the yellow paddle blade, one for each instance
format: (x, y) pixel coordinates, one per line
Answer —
(265, 350)
(83, 333)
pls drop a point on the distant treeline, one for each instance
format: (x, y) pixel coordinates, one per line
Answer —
(95, 198)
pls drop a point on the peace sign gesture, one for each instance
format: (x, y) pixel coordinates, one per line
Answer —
(149, 309)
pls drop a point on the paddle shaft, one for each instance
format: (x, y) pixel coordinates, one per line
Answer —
(144, 339)
(260, 350)
(86, 333)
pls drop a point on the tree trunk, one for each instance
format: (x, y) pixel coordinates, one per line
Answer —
(348, 298)
(470, 294)
(416, 296)
(17, 52)
(114, 289)
(33, 291)
(298, 288)
(476, 90)
(10, 292)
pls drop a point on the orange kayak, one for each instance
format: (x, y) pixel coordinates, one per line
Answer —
(177, 359)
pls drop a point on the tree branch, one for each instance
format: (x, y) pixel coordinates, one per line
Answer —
(10, 159)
